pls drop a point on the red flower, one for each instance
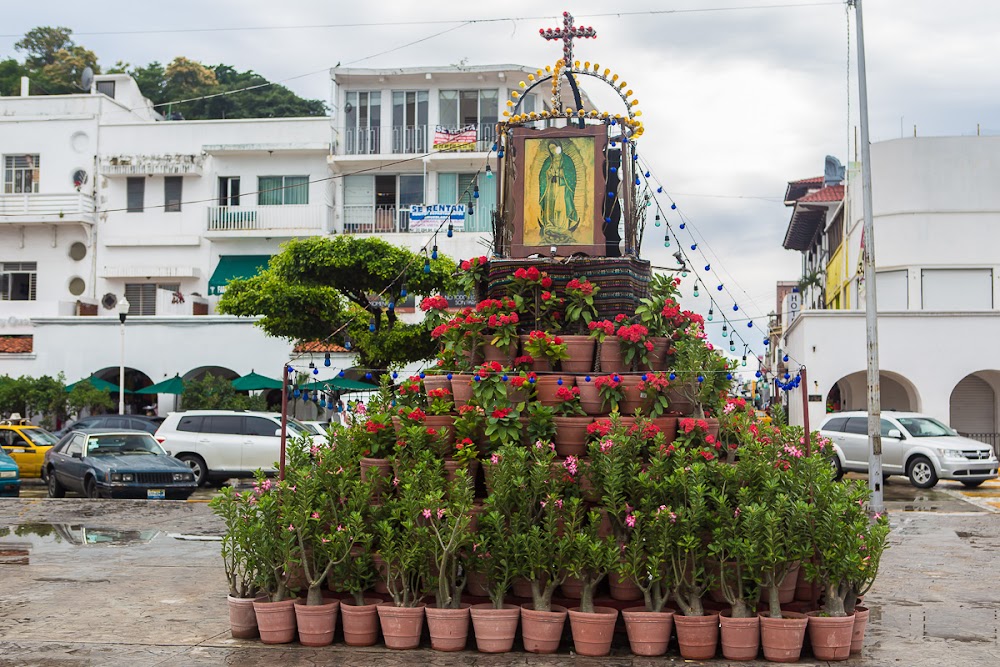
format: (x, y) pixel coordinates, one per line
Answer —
(565, 394)
(416, 415)
(708, 456)
(546, 282)
(466, 265)
(620, 317)
(501, 413)
(687, 425)
(532, 273)
(600, 427)
(373, 427)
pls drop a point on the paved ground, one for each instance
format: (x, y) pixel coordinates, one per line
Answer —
(135, 583)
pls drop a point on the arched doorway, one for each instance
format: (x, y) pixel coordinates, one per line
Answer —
(973, 406)
(851, 393)
(134, 379)
(218, 371)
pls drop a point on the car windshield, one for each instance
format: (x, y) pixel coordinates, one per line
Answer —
(40, 437)
(924, 427)
(123, 443)
(299, 428)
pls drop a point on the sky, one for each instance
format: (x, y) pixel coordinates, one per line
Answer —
(738, 96)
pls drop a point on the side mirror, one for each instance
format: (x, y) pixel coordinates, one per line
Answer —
(895, 433)
(277, 432)
(170, 453)
(76, 455)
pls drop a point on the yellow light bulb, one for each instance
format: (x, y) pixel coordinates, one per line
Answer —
(622, 85)
(593, 114)
(569, 109)
(606, 71)
(581, 113)
(506, 113)
(635, 102)
(614, 77)
(628, 93)
(586, 65)
(522, 84)
(538, 73)
(576, 64)
(638, 113)
(548, 69)
(597, 66)
(515, 94)
(531, 77)
(604, 115)
(510, 103)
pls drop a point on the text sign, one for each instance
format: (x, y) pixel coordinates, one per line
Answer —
(428, 218)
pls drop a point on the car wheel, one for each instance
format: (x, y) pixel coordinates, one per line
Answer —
(90, 488)
(838, 469)
(921, 472)
(198, 467)
(973, 483)
(56, 489)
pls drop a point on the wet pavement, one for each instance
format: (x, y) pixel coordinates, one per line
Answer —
(141, 583)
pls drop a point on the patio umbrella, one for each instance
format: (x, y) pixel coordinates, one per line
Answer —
(174, 385)
(98, 383)
(255, 382)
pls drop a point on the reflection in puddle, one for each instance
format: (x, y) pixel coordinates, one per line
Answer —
(76, 534)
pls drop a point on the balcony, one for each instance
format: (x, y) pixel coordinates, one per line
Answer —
(376, 220)
(266, 221)
(362, 140)
(409, 139)
(41, 209)
(146, 165)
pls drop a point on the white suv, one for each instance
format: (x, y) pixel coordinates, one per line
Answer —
(222, 444)
(915, 445)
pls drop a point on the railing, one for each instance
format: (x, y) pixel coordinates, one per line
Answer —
(486, 135)
(362, 140)
(376, 219)
(46, 208)
(991, 439)
(409, 139)
(311, 217)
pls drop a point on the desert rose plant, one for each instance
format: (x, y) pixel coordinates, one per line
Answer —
(273, 537)
(646, 558)
(589, 557)
(738, 559)
(494, 553)
(446, 515)
(238, 551)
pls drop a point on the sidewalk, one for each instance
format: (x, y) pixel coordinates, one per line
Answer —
(146, 591)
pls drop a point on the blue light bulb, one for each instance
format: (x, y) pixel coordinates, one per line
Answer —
(785, 358)
(395, 375)
(368, 376)
(448, 376)
(758, 373)
(296, 393)
(735, 307)
(673, 206)
(586, 378)
(315, 371)
(673, 376)
(660, 189)
(750, 324)
(719, 288)
(423, 375)
(683, 225)
(694, 246)
(559, 382)
(729, 376)
(701, 378)
(340, 374)
(504, 378)
(708, 267)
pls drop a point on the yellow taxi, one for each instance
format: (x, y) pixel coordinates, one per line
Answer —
(26, 444)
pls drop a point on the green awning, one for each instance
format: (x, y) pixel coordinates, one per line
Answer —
(174, 385)
(255, 382)
(235, 266)
(339, 384)
(98, 383)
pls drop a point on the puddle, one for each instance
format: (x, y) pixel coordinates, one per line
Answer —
(18, 541)
(909, 620)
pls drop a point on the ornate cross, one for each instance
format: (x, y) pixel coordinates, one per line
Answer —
(567, 34)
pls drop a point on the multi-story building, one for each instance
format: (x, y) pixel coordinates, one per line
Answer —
(936, 225)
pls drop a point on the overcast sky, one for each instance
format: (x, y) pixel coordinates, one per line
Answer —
(736, 103)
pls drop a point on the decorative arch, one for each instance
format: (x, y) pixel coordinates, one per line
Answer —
(851, 393)
(218, 371)
(973, 406)
(134, 380)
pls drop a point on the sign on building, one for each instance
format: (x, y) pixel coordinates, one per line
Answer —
(429, 218)
(455, 139)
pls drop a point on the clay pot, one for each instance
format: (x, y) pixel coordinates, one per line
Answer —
(667, 426)
(382, 569)
(740, 637)
(786, 589)
(648, 631)
(782, 637)
(542, 630)
(275, 621)
(444, 425)
(504, 356)
(677, 402)
(546, 387)
(449, 628)
(858, 632)
(475, 584)
(623, 589)
(316, 622)
(521, 587)
(436, 382)
(243, 620)
(376, 469)
(713, 430)
(571, 435)
(803, 587)
(571, 588)
(830, 636)
(581, 354)
(360, 622)
(461, 388)
(495, 628)
(610, 356)
(593, 631)
(697, 636)
(477, 508)
(658, 359)
(633, 397)
(452, 466)
(590, 397)
(401, 626)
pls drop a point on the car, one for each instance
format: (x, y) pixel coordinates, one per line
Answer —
(319, 428)
(222, 444)
(126, 422)
(913, 444)
(115, 464)
(10, 477)
(26, 444)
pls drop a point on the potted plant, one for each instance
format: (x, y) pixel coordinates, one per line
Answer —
(435, 309)
(645, 563)
(274, 541)
(472, 275)
(571, 422)
(372, 434)
(546, 350)
(465, 457)
(611, 391)
(543, 547)
(654, 391)
(502, 321)
(493, 556)
(609, 355)
(471, 424)
(503, 427)
(635, 346)
(239, 558)
(590, 557)
(489, 386)
(661, 315)
(440, 417)
(526, 289)
(355, 575)
(580, 311)
(703, 377)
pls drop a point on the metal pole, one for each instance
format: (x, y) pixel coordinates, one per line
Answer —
(871, 309)
(284, 419)
(121, 369)
(805, 410)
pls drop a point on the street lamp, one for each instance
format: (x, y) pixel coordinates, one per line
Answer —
(123, 306)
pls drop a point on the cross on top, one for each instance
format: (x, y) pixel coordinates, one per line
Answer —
(567, 34)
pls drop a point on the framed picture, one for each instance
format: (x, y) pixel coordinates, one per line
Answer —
(558, 191)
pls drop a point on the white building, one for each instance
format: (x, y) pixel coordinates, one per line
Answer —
(102, 198)
(937, 227)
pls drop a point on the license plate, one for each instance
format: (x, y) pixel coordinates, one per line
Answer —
(155, 494)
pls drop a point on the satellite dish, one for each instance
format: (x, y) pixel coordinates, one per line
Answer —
(87, 79)
(109, 301)
(79, 178)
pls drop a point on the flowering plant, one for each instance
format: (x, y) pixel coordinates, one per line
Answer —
(738, 560)
(635, 344)
(524, 382)
(693, 436)
(646, 560)
(526, 289)
(440, 401)
(238, 552)
(589, 557)
(704, 375)
(461, 338)
(494, 552)
(471, 273)
(551, 307)
(569, 402)
(523, 362)
(410, 393)
(615, 461)
(611, 390)
(489, 385)
(542, 345)
(503, 427)
(272, 536)
(541, 423)
(580, 309)
(659, 311)
(601, 329)
(501, 321)
(446, 513)
(654, 386)
(465, 452)
(470, 423)
(435, 310)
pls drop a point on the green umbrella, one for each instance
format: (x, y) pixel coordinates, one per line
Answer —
(174, 385)
(98, 383)
(339, 384)
(255, 382)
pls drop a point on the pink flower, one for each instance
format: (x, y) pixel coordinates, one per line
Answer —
(494, 459)
(340, 528)
(267, 485)
(315, 515)
(571, 465)
(291, 528)
(292, 488)
(662, 508)
(606, 445)
(559, 503)
(440, 513)
(543, 503)
(395, 481)
(673, 518)
(736, 513)
(427, 514)
(324, 540)
(630, 521)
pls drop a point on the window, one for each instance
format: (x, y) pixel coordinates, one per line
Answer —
(925, 427)
(135, 194)
(282, 190)
(956, 289)
(106, 88)
(259, 426)
(461, 108)
(191, 424)
(76, 445)
(363, 120)
(409, 121)
(457, 189)
(857, 425)
(231, 424)
(21, 174)
(172, 193)
(229, 190)
(835, 424)
(142, 296)
(18, 281)
(891, 290)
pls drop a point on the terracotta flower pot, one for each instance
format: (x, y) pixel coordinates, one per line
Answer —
(477, 508)
(648, 631)
(625, 590)
(658, 358)
(546, 387)
(678, 402)
(740, 636)
(633, 397)
(432, 382)
(521, 587)
(803, 587)
(610, 356)
(495, 628)
(697, 636)
(571, 588)
(581, 354)
(590, 397)
(542, 630)
(401, 626)
(782, 637)
(276, 621)
(452, 466)
(713, 430)
(444, 425)
(571, 435)
(243, 619)
(830, 636)
(316, 623)
(667, 426)
(476, 583)
(461, 388)
(505, 356)
(360, 622)
(593, 631)
(858, 631)
(786, 589)
(376, 469)
(449, 628)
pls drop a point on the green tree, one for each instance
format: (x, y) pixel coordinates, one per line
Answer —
(54, 61)
(41, 45)
(317, 285)
(87, 397)
(214, 392)
(11, 72)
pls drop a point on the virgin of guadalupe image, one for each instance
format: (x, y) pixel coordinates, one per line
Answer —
(556, 194)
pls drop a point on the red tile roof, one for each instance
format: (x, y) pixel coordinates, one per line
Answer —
(16, 344)
(828, 194)
(815, 180)
(318, 346)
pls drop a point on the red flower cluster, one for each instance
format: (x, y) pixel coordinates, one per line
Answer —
(501, 413)
(633, 333)
(708, 456)
(567, 394)
(687, 425)
(531, 273)
(670, 309)
(601, 427)
(489, 367)
(608, 380)
(438, 393)
(604, 325)
(519, 381)
(465, 442)
(373, 427)
(473, 263)
(656, 382)
(620, 317)
(466, 409)
(524, 360)
(584, 287)
(694, 317)
(416, 415)
(437, 302)
(649, 431)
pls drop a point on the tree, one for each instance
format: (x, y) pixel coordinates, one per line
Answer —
(86, 396)
(214, 392)
(317, 285)
(186, 78)
(42, 45)
(11, 72)
(54, 61)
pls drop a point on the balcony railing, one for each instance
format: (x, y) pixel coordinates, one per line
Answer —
(362, 140)
(409, 139)
(376, 219)
(35, 208)
(289, 217)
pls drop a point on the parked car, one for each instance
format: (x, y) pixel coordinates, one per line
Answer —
(10, 477)
(27, 445)
(319, 428)
(116, 464)
(220, 444)
(915, 445)
(121, 422)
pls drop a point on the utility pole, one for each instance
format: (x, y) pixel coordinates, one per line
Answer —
(871, 309)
